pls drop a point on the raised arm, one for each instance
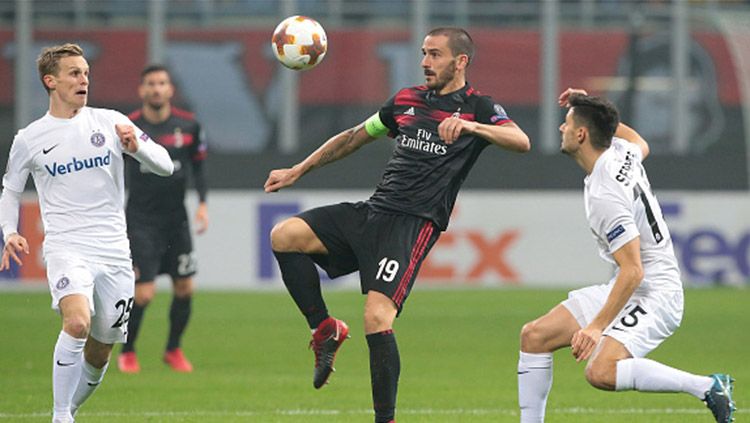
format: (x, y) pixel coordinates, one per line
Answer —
(629, 134)
(335, 148)
(509, 135)
(151, 155)
(623, 131)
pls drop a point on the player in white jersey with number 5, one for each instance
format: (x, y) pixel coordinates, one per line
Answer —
(74, 154)
(614, 326)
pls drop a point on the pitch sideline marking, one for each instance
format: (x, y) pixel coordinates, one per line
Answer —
(408, 411)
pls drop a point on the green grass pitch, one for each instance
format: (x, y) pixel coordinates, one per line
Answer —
(458, 362)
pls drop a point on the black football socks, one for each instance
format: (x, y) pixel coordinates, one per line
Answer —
(385, 367)
(179, 315)
(134, 325)
(303, 283)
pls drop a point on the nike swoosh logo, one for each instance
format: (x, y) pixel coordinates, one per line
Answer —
(523, 372)
(47, 150)
(61, 364)
(93, 384)
(338, 333)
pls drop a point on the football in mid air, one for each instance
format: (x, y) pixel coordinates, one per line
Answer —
(299, 42)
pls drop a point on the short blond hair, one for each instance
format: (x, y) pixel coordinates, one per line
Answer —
(48, 62)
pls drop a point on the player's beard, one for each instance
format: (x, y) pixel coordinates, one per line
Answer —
(565, 147)
(443, 78)
(156, 105)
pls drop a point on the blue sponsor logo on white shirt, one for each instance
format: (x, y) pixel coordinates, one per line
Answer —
(614, 233)
(75, 165)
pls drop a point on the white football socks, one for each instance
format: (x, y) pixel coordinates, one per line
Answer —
(90, 379)
(644, 375)
(534, 384)
(66, 371)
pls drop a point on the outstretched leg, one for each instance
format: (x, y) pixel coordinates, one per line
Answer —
(612, 367)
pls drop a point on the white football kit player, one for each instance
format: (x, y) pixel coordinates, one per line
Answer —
(77, 167)
(620, 207)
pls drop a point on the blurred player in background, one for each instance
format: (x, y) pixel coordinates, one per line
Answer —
(158, 225)
(440, 129)
(614, 326)
(74, 154)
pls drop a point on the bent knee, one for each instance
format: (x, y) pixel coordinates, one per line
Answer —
(601, 374)
(533, 338)
(282, 236)
(77, 326)
(293, 235)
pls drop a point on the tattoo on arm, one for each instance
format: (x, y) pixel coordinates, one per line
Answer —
(326, 157)
(339, 148)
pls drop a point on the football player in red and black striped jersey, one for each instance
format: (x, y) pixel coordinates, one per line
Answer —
(439, 129)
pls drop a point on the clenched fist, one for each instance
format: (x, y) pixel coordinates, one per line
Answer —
(127, 137)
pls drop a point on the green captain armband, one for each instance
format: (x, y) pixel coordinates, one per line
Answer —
(374, 126)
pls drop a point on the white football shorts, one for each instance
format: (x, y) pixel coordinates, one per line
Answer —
(108, 288)
(647, 319)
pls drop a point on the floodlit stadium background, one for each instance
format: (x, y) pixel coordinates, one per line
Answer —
(679, 72)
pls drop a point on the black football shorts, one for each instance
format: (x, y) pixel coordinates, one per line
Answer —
(387, 249)
(161, 245)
